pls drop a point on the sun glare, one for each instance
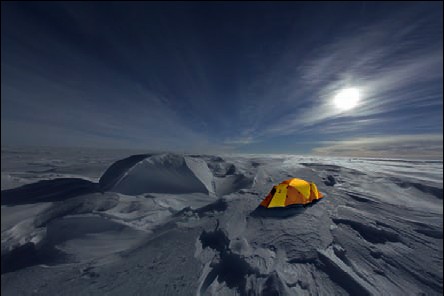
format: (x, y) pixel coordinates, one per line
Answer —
(347, 99)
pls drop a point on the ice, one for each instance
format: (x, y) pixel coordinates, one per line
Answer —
(90, 222)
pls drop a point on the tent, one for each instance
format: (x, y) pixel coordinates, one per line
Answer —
(292, 192)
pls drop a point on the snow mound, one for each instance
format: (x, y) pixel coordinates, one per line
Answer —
(118, 169)
(173, 174)
(163, 173)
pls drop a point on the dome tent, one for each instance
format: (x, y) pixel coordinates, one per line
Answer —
(292, 192)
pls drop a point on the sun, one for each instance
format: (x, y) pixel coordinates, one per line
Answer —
(347, 99)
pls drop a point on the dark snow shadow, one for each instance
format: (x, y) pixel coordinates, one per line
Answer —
(48, 191)
(423, 187)
(330, 181)
(216, 207)
(72, 239)
(116, 171)
(230, 268)
(29, 255)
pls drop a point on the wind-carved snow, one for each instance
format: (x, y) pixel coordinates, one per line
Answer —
(161, 173)
(169, 173)
(190, 225)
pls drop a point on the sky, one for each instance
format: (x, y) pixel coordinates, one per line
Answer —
(233, 77)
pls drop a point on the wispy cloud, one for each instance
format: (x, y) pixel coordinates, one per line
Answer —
(125, 116)
(239, 141)
(185, 79)
(425, 146)
(390, 61)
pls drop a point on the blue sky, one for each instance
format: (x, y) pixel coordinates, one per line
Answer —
(250, 77)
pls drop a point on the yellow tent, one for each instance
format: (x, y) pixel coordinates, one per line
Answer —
(292, 192)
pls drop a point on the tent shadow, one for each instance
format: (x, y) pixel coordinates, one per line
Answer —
(280, 213)
(277, 213)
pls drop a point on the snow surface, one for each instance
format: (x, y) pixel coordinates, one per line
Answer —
(89, 222)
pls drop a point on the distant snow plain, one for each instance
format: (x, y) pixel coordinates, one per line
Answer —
(115, 222)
